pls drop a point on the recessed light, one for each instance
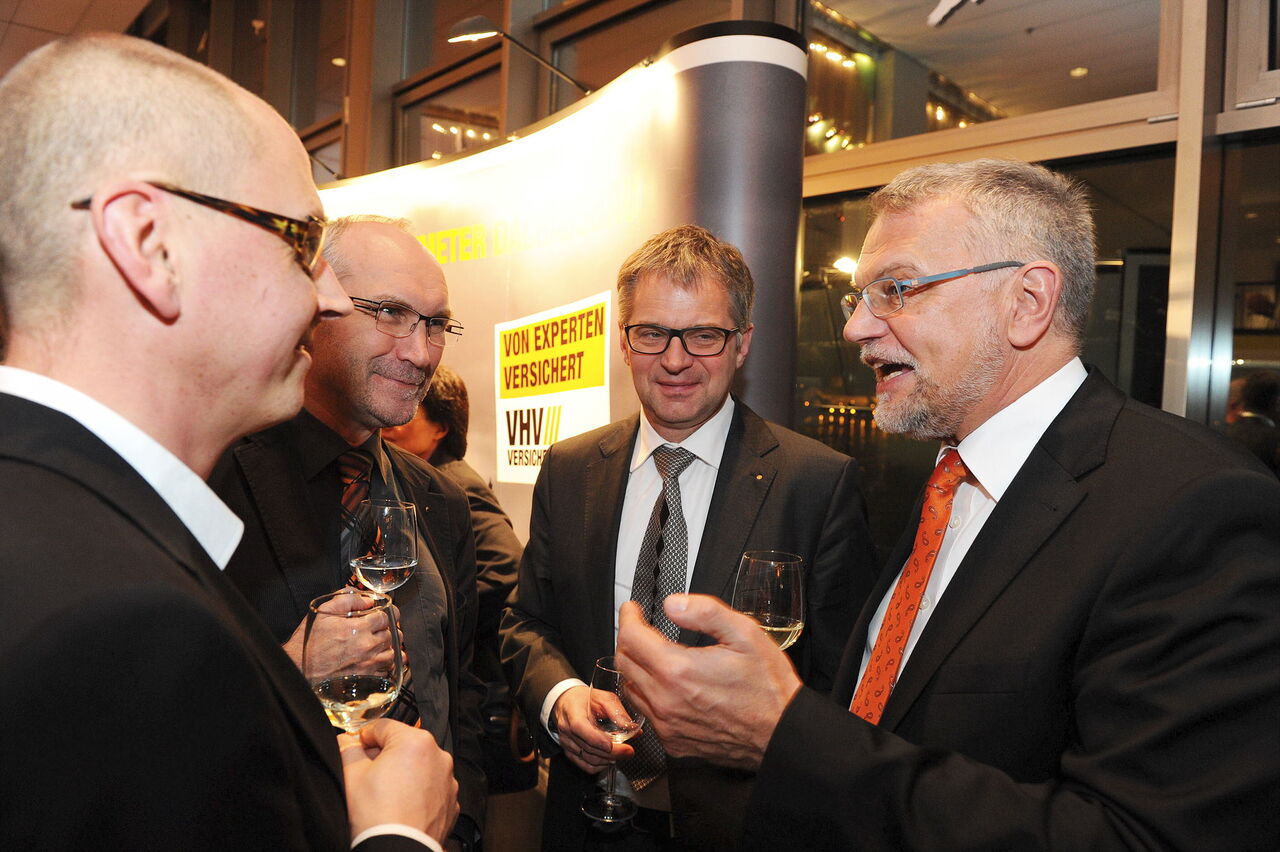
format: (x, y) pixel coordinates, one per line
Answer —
(339, 61)
(1078, 72)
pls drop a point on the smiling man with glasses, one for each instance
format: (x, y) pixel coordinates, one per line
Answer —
(667, 500)
(289, 483)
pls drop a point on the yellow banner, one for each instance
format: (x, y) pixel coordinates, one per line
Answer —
(560, 353)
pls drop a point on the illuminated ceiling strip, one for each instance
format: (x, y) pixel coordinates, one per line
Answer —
(738, 48)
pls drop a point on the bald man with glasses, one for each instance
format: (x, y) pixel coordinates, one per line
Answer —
(291, 485)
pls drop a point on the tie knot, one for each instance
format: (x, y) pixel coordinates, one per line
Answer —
(354, 466)
(949, 472)
(671, 461)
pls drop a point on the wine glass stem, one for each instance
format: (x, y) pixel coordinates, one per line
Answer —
(611, 782)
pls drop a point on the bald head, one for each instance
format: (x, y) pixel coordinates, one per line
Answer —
(86, 109)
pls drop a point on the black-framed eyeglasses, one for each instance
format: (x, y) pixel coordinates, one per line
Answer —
(886, 296)
(700, 340)
(399, 320)
(304, 236)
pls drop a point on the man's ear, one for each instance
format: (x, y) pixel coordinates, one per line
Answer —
(131, 222)
(1035, 300)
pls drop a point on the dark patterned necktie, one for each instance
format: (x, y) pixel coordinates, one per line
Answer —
(904, 604)
(660, 571)
(354, 469)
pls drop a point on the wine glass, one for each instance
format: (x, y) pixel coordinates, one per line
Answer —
(351, 656)
(770, 589)
(616, 715)
(393, 554)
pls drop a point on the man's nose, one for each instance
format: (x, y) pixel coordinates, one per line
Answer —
(677, 357)
(332, 301)
(417, 348)
(863, 325)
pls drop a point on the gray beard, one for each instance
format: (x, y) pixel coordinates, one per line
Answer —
(932, 412)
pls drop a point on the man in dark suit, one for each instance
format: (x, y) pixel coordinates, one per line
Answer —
(147, 326)
(371, 370)
(600, 519)
(438, 434)
(1078, 645)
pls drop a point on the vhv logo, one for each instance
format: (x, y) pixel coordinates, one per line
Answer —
(530, 431)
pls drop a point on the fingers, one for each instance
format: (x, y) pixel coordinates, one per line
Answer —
(712, 616)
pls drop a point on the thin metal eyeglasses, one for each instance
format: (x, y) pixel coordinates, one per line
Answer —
(304, 236)
(702, 341)
(886, 296)
(397, 320)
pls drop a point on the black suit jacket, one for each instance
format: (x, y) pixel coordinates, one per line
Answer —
(284, 562)
(775, 490)
(1103, 671)
(151, 707)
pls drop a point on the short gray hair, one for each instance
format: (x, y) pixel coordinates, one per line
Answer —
(336, 229)
(1022, 212)
(688, 256)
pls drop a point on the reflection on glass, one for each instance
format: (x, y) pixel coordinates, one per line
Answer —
(878, 70)
(456, 119)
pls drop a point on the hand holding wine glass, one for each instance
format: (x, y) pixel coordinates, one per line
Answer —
(351, 656)
(616, 715)
(770, 589)
(393, 551)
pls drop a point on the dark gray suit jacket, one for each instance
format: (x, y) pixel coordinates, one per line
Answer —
(284, 562)
(1103, 671)
(775, 490)
(152, 708)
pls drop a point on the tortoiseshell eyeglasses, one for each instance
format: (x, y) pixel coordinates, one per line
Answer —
(305, 237)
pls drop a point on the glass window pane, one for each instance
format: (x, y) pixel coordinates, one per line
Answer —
(598, 55)
(1251, 258)
(456, 119)
(320, 62)
(878, 70)
(426, 32)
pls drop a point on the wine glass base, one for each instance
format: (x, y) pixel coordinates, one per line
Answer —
(607, 808)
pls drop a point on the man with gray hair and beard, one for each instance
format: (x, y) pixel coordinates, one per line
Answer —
(161, 281)
(296, 486)
(1076, 646)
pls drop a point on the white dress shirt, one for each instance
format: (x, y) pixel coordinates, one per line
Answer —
(211, 523)
(993, 454)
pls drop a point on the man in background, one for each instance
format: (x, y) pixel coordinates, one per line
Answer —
(664, 501)
(293, 486)
(1077, 645)
(1251, 416)
(150, 322)
(438, 434)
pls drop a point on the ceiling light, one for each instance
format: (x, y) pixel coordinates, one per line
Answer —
(339, 61)
(1078, 72)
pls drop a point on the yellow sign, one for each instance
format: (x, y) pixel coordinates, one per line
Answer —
(553, 354)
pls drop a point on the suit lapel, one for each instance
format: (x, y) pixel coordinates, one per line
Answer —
(68, 447)
(279, 493)
(604, 489)
(436, 528)
(1037, 502)
(742, 484)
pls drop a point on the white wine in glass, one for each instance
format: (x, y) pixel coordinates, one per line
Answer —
(393, 554)
(351, 656)
(770, 589)
(614, 713)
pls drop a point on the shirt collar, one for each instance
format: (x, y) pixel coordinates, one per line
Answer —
(706, 442)
(996, 450)
(213, 525)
